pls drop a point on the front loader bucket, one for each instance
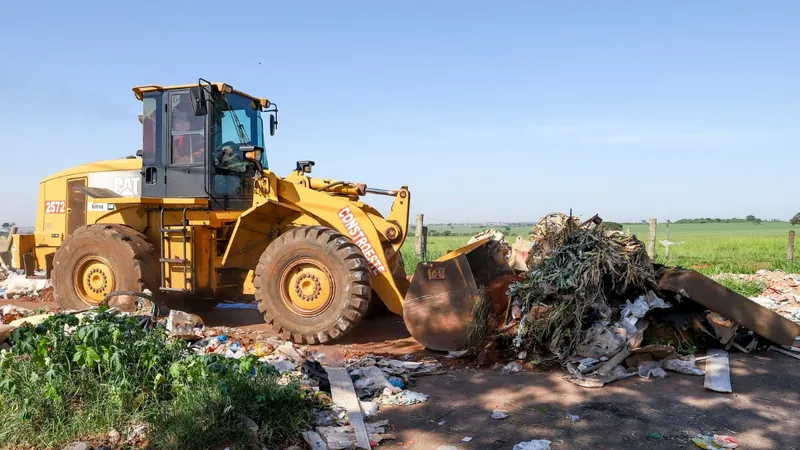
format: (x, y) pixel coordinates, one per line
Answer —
(438, 306)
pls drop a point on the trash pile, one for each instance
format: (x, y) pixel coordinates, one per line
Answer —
(574, 298)
(15, 285)
(384, 381)
(374, 381)
(594, 302)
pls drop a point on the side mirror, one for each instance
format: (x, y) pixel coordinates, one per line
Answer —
(199, 101)
(273, 124)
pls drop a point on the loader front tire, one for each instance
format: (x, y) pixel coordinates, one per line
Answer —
(100, 258)
(313, 285)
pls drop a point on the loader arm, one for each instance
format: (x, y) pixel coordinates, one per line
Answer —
(283, 203)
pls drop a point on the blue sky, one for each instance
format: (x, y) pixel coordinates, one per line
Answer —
(486, 110)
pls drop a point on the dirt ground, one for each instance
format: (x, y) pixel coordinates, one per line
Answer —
(762, 413)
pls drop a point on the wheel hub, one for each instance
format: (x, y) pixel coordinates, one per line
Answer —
(307, 287)
(94, 279)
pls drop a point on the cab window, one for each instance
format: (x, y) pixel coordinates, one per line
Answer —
(150, 127)
(187, 131)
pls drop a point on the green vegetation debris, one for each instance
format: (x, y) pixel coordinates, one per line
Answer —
(578, 275)
(478, 329)
(65, 381)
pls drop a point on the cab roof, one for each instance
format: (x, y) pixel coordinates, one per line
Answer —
(140, 90)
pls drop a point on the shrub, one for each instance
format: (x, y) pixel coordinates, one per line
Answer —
(108, 372)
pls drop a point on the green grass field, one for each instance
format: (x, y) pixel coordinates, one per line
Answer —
(707, 248)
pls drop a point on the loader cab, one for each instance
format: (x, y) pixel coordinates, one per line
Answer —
(203, 141)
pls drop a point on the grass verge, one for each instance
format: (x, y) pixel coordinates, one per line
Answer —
(66, 381)
(746, 288)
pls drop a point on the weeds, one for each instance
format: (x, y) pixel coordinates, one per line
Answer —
(743, 287)
(64, 381)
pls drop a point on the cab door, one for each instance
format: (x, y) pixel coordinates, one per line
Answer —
(153, 158)
(186, 148)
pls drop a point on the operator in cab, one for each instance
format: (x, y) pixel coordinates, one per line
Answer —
(188, 133)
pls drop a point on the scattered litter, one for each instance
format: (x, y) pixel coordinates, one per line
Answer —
(237, 306)
(315, 371)
(726, 441)
(587, 364)
(573, 418)
(260, 349)
(718, 375)
(466, 439)
(602, 341)
(289, 350)
(499, 414)
(457, 354)
(512, 367)
(370, 409)
(682, 366)
(653, 369)
(539, 444)
(403, 398)
(372, 379)
(236, 351)
(716, 442)
(283, 366)
(655, 435)
(397, 382)
(344, 395)
(447, 447)
(183, 325)
(314, 440)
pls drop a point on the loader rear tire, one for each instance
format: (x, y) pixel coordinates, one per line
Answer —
(100, 258)
(313, 285)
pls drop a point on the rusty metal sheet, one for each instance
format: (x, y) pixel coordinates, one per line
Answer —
(731, 305)
(439, 302)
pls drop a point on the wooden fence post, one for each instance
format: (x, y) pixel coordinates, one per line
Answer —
(790, 248)
(651, 242)
(424, 242)
(418, 239)
(666, 237)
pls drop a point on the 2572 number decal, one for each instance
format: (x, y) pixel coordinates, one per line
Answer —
(55, 207)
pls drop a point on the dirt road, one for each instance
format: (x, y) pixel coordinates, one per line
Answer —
(762, 413)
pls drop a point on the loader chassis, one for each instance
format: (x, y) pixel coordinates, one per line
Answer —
(198, 216)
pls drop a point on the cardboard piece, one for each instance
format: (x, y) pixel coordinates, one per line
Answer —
(718, 372)
(731, 305)
(649, 353)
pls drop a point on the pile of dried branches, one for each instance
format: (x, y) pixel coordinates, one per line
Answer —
(578, 275)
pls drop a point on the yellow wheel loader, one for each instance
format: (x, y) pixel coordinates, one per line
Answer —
(197, 215)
